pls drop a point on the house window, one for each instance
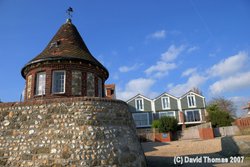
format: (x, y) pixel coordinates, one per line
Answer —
(192, 116)
(165, 103)
(191, 101)
(40, 83)
(141, 119)
(167, 114)
(139, 104)
(58, 82)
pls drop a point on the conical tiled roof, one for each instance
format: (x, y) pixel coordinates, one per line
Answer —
(66, 44)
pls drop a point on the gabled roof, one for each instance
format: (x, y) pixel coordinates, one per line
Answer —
(191, 92)
(138, 95)
(66, 44)
(167, 94)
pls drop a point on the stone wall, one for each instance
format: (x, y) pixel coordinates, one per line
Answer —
(68, 132)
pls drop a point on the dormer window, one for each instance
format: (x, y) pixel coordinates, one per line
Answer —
(139, 104)
(191, 101)
(40, 83)
(165, 103)
(58, 82)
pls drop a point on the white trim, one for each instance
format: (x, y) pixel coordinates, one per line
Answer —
(191, 93)
(138, 96)
(166, 94)
(179, 104)
(161, 112)
(204, 103)
(185, 113)
(141, 114)
(64, 84)
(194, 100)
(168, 103)
(142, 101)
(153, 106)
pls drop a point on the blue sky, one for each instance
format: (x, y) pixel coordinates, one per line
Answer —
(149, 47)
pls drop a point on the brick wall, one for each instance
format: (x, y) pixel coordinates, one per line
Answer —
(68, 66)
(68, 132)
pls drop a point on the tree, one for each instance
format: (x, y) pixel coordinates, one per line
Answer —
(196, 90)
(167, 124)
(218, 117)
(225, 105)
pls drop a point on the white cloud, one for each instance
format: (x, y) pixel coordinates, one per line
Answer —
(161, 34)
(172, 53)
(192, 49)
(163, 66)
(135, 86)
(189, 72)
(229, 66)
(237, 82)
(160, 69)
(129, 68)
(193, 81)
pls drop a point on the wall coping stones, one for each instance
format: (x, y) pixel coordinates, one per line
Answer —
(58, 100)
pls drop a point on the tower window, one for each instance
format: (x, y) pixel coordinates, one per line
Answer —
(76, 83)
(58, 85)
(40, 83)
(99, 87)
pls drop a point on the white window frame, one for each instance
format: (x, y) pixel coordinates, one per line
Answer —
(136, 107)
(64, 83)
(186, 111)
(162, 112)
(146, 113)
(190, 102)
(39, 83)
(168, 103)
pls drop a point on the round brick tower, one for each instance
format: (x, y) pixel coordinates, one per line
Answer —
(65, 68)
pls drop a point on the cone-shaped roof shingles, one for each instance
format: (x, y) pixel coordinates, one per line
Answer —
(66, 44)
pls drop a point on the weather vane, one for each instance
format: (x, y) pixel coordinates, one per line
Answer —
(69, 11)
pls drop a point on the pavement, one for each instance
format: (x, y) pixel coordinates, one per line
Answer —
(195, 153)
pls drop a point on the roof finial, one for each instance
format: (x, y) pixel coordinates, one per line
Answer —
(69, 11)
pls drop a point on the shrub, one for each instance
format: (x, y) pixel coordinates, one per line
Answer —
(218, 117)
(167, 124)
(155, 124)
